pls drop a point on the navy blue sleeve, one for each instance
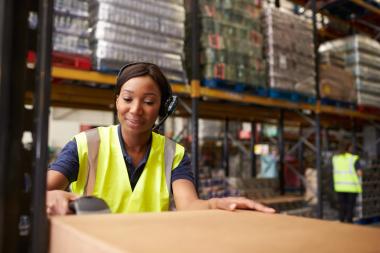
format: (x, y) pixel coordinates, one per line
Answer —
(183, 170)
(358, 165)
(67, 161)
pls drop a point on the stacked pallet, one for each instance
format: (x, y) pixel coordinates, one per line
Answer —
(289, 52)
(125, 31)
(71, 27)
(214, 184)
(336, 83)
(360, 56)
(369, 199)
(231, 42)
(260, 188)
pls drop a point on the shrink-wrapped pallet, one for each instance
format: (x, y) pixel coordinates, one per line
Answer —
(336, 83)
(289, 51)
(361, 57)
(231, 41)
(129, 31)
(71, 27)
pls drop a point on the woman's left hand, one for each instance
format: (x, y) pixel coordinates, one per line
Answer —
(233, 203)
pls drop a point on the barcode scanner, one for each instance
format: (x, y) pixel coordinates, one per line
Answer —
(89, 205)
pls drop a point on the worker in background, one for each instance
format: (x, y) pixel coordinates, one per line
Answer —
(131, 160)
(346, 174)
(268, 164)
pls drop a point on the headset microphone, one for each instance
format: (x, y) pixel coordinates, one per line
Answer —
(171, 105)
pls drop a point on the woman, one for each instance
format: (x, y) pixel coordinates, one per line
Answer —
(130, 173)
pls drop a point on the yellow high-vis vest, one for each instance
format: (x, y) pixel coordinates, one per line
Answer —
(151, 193)
(344, 173)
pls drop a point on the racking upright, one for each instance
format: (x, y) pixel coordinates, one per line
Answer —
(23, 168)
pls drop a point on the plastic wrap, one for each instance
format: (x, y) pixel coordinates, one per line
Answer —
(161, 9)
(231, 42)
(289, 51)
(336, 83)
(361, 57)
(71, 27)
(128, 31)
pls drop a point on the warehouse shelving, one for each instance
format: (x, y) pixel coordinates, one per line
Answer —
(360, 15)
(209, 101)
(206, 102)
(65, 91)
(180, 89)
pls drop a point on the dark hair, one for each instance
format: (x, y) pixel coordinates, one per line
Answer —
(343, 146)
(138, 69)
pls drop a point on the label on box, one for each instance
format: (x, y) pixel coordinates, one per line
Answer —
(219, 70)
(210, 10)
(214, 41)
(282, 61)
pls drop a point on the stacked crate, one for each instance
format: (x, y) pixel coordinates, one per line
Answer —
(360, 56)
(289, 51)
(71, 27)
(214, 184)
(125, 31)
(231, 41)
(369, 199)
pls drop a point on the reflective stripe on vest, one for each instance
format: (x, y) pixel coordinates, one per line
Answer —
(153, 189)
(345, 177)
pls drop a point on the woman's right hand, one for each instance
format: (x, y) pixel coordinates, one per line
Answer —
(57, 202)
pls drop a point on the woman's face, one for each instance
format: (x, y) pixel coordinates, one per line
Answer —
(138, 104)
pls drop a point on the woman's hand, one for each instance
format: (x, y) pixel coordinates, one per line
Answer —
(186, 198)
(233, 203)
(57, 202)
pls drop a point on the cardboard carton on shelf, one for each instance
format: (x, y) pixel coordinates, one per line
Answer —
(207, 231)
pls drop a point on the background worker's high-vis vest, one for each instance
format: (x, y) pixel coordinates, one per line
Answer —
(345, 177)
(112, 181)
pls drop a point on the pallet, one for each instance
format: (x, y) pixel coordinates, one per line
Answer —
(337, 103)
(225, 85)
(290, 96)
(369, 220)
(65, 60)
(369, 109)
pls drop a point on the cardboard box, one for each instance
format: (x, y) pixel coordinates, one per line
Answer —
(207, 231)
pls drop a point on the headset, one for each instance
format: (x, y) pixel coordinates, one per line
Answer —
(167, 107)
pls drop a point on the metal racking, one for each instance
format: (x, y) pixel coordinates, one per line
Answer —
(205, 102)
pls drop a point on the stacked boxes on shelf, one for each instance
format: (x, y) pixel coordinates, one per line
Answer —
(125, 31)
(369, 199)
(213, 183)
(336, 83)
(71, 27)
(360, 56)
(231, 42)
(289, 51)
(260, 188)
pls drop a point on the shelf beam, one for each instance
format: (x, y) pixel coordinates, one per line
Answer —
(367, 6)
(83, 75)
(101, 78)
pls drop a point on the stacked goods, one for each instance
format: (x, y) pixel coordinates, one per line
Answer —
(369, 199)
(311, 186)
(213, 183)
(256, 188)
(361, 57)
(125, 31)
(71, 27)
(336, 83)
(289, 52)
(231, 41)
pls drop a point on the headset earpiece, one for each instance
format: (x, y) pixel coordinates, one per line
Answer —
(171, 104)
(169, 108)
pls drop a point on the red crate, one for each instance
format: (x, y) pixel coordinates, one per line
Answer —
(65, 60)
(369, 109)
